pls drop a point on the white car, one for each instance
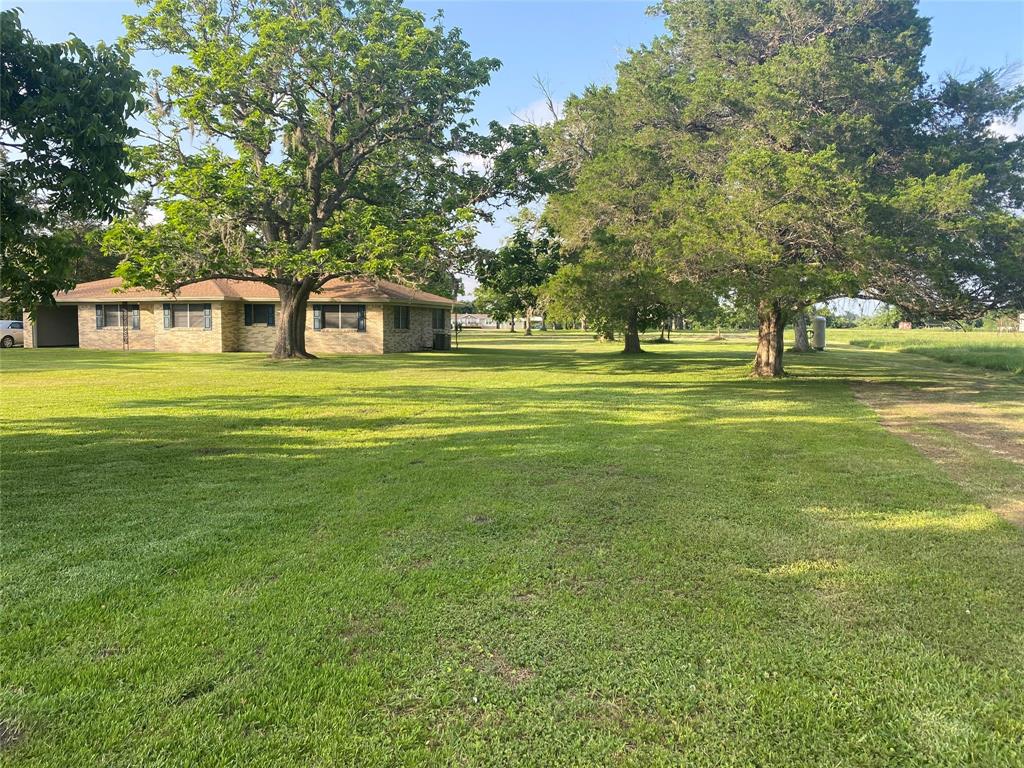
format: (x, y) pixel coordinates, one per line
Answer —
(12, 333)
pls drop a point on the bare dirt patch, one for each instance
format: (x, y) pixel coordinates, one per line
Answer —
(10, 735)
(990, 429)
(970, 441)
(495, 664)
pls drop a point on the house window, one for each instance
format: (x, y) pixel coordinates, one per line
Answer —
(116, 315)
(350, 317)
(188, 316)
(259, 314)
(402, 318)
(438, 323)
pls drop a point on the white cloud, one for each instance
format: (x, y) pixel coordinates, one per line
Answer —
(538, 112)
(1006, 129)
(468, 162)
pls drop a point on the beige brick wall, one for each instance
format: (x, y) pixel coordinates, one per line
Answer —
(256, 338)
(91, 337)
(231, 325)
(328, 341)
(420, 334)
(230, 334)
(343, 341)
(189, 339)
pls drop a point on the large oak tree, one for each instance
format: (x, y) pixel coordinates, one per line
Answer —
(301, 141)
(820, 162)
(801, 154)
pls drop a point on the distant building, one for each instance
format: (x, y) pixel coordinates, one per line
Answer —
(476, 320)
(904, 325)
(1010, 324)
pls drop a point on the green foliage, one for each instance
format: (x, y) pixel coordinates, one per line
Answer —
(498, 305)
(606, 219)
(951, 231)
(1000, 321)
(302, 141)
(511, 277)
(65, 110)
(885, 317)
(728, 314)
(786, 153)
(949, 252)
(771, 115)
(442, 282)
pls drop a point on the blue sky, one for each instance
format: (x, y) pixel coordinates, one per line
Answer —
(571, 44)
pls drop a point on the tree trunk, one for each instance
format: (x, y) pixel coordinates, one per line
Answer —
(512, 325)
(544, 321)
(632, 337)
(528, 322)
(768, 360)
(291, 328)
(608, 336)
(802, 344)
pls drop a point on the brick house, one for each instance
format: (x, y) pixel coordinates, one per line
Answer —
(344, 317)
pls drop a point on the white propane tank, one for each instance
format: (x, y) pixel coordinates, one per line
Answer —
(819, 333)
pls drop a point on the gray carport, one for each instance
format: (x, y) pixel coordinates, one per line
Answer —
(55, 327)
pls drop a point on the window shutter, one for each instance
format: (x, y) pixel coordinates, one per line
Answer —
(318, 318)
(135, 319)
(361, 318)
(207, 317)
(270, 314)
(167, 316)
(99, 316)
(248, 314)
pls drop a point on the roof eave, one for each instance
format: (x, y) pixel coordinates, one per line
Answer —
(126, 298)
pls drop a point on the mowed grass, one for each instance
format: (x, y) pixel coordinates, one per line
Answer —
(528, 552)
(980, 349)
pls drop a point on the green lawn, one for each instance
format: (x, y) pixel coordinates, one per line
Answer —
(530, 552)
(980, 349)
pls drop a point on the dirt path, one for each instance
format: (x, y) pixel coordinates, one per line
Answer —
(973, 430)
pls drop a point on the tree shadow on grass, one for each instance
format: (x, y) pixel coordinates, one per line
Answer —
(613, 541)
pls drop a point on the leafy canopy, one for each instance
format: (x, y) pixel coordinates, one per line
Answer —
(512, 276)
(811, 158)
(303, 140)
(65, 118)
(606, 218)
(782, 153)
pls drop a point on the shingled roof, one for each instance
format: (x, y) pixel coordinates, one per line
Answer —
(363, 291)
